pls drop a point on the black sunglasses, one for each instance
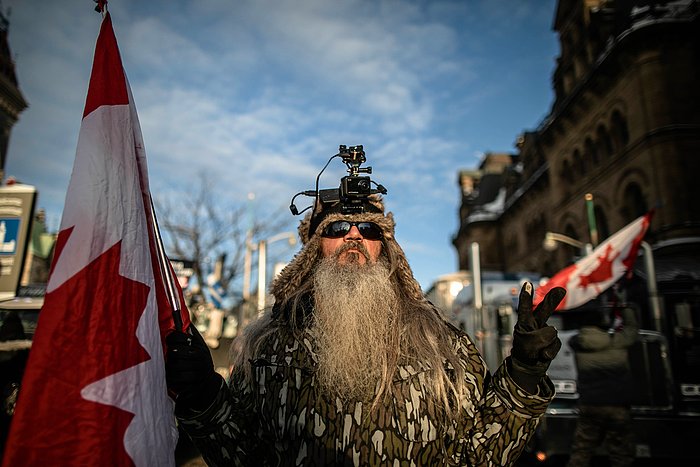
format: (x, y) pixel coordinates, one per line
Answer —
(337, 229)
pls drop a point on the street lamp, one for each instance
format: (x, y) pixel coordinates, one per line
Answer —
(249, 247)
(551, 239)
(262, 263)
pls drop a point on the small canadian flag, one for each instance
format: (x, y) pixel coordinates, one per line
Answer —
(596, 272)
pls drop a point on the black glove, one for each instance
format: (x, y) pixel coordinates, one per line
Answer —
(535, 344)
(189, 371)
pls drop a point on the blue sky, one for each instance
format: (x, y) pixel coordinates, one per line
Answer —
(259, 94)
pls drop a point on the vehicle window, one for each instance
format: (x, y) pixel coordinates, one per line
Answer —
(17, 324)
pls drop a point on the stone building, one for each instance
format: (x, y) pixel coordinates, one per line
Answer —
(11, 100)
(483, 199)
(624, 127)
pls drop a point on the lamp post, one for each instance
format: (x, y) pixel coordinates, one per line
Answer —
(247, 260)
(262, 264)
(249, 247)
(243, 312)
(551, 239)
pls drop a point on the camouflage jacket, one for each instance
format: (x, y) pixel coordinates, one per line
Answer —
(282, 419)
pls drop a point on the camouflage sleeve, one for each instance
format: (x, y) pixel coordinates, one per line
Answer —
(504, 416)
(222, 432)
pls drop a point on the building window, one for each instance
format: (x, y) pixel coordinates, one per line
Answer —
(579, 163)
(634, 203)
(605, 147)
(591, 152)
(566, 174)
(620, 133)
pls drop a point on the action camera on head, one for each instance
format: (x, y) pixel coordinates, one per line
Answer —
(351, 197)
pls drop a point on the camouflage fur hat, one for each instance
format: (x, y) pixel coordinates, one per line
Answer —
(302, 265)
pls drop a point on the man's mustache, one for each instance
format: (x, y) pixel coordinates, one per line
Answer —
(352, 245)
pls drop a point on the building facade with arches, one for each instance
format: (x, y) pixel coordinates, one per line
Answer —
(624, 127)
(622, 137)
(624, 132)
(12, 102)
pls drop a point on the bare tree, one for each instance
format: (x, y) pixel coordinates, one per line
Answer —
(202, 228)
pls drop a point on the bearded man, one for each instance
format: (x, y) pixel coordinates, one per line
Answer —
(352, 366)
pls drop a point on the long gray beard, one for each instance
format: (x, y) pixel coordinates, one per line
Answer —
(355, 309)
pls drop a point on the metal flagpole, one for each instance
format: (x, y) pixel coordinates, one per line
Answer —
(590, 211)
(165, 270)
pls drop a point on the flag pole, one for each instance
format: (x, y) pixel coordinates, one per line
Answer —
(165, 270)
(590, 210)
(163, 262)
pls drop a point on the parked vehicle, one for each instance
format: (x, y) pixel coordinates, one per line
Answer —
(444, 290)
(489, 315)
(18, 320)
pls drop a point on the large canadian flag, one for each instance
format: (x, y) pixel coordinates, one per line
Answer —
(596, 272)
(94, 390)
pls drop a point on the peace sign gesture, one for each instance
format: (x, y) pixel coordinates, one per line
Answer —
(535, 343)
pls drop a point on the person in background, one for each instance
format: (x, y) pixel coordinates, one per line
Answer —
(353, 366)
(14, 352)
(604, 385)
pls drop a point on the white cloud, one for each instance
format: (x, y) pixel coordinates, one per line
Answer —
(260, 93)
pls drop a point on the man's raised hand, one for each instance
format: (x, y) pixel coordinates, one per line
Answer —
(535, 343)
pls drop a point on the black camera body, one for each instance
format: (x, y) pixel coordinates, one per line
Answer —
(354, 188)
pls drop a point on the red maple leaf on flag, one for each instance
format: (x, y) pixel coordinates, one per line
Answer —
(66, 368)
(94, 392)
(603, 272)
(593, 274)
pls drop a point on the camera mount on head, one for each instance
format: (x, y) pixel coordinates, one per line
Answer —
(354, 190)
(353, 158)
